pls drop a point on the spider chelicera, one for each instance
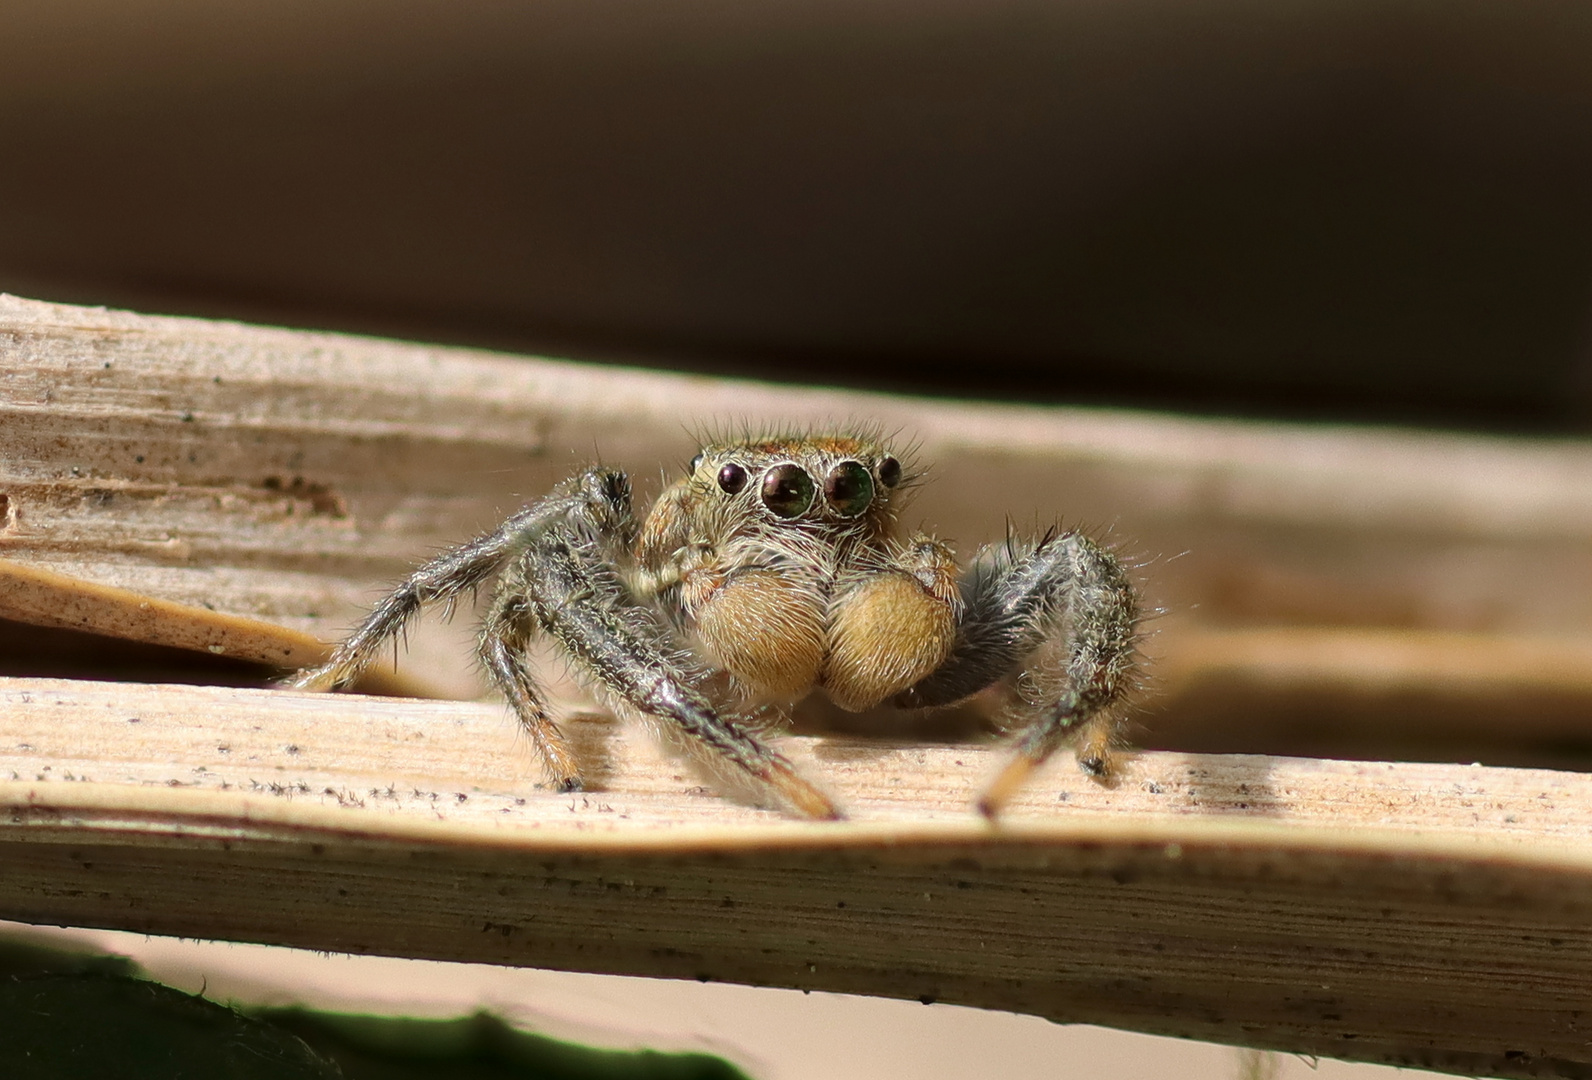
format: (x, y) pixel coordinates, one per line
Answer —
(775, 567)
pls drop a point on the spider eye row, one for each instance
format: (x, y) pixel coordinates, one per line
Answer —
(788, 490)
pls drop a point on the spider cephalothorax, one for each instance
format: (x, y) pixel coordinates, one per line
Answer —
(780, 560)
(775, 567)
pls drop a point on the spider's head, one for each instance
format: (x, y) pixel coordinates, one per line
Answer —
(844, 482)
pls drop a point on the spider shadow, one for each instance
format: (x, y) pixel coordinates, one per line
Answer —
(817, 715)
(1215, 785)
(867, 736)
(854, 749)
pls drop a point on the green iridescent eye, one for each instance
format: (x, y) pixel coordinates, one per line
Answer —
(849, 488)
(787, 490)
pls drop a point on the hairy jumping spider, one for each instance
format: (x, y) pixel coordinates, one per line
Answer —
(772, 568)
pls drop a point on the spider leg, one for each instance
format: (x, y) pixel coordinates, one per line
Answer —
(597, 494)
(623, 649)
(501, 647)
(1062, 615)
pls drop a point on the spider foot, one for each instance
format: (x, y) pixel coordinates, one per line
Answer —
(999, 792)
(1094, 766)
(802, 796)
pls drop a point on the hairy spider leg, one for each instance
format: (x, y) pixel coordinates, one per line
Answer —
(442, 580)
(556, 558)
(623, 649)
(1067, 594)
(501, 646)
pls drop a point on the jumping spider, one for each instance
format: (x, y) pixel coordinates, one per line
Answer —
(775, 567)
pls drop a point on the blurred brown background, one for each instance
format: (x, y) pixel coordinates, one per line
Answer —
(1367, 208)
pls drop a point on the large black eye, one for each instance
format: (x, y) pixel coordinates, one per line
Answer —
(732, 478)
(787, 490)
(889, 472)
(849, 488)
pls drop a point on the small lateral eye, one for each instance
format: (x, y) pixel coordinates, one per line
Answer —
(849, 488)
(732, 478)
(696, 463)
(787, 490)
(889, 472)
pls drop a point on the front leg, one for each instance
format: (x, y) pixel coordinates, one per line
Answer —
(1062, 617)
(501, 647)
(597, 498)
(623, 650)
